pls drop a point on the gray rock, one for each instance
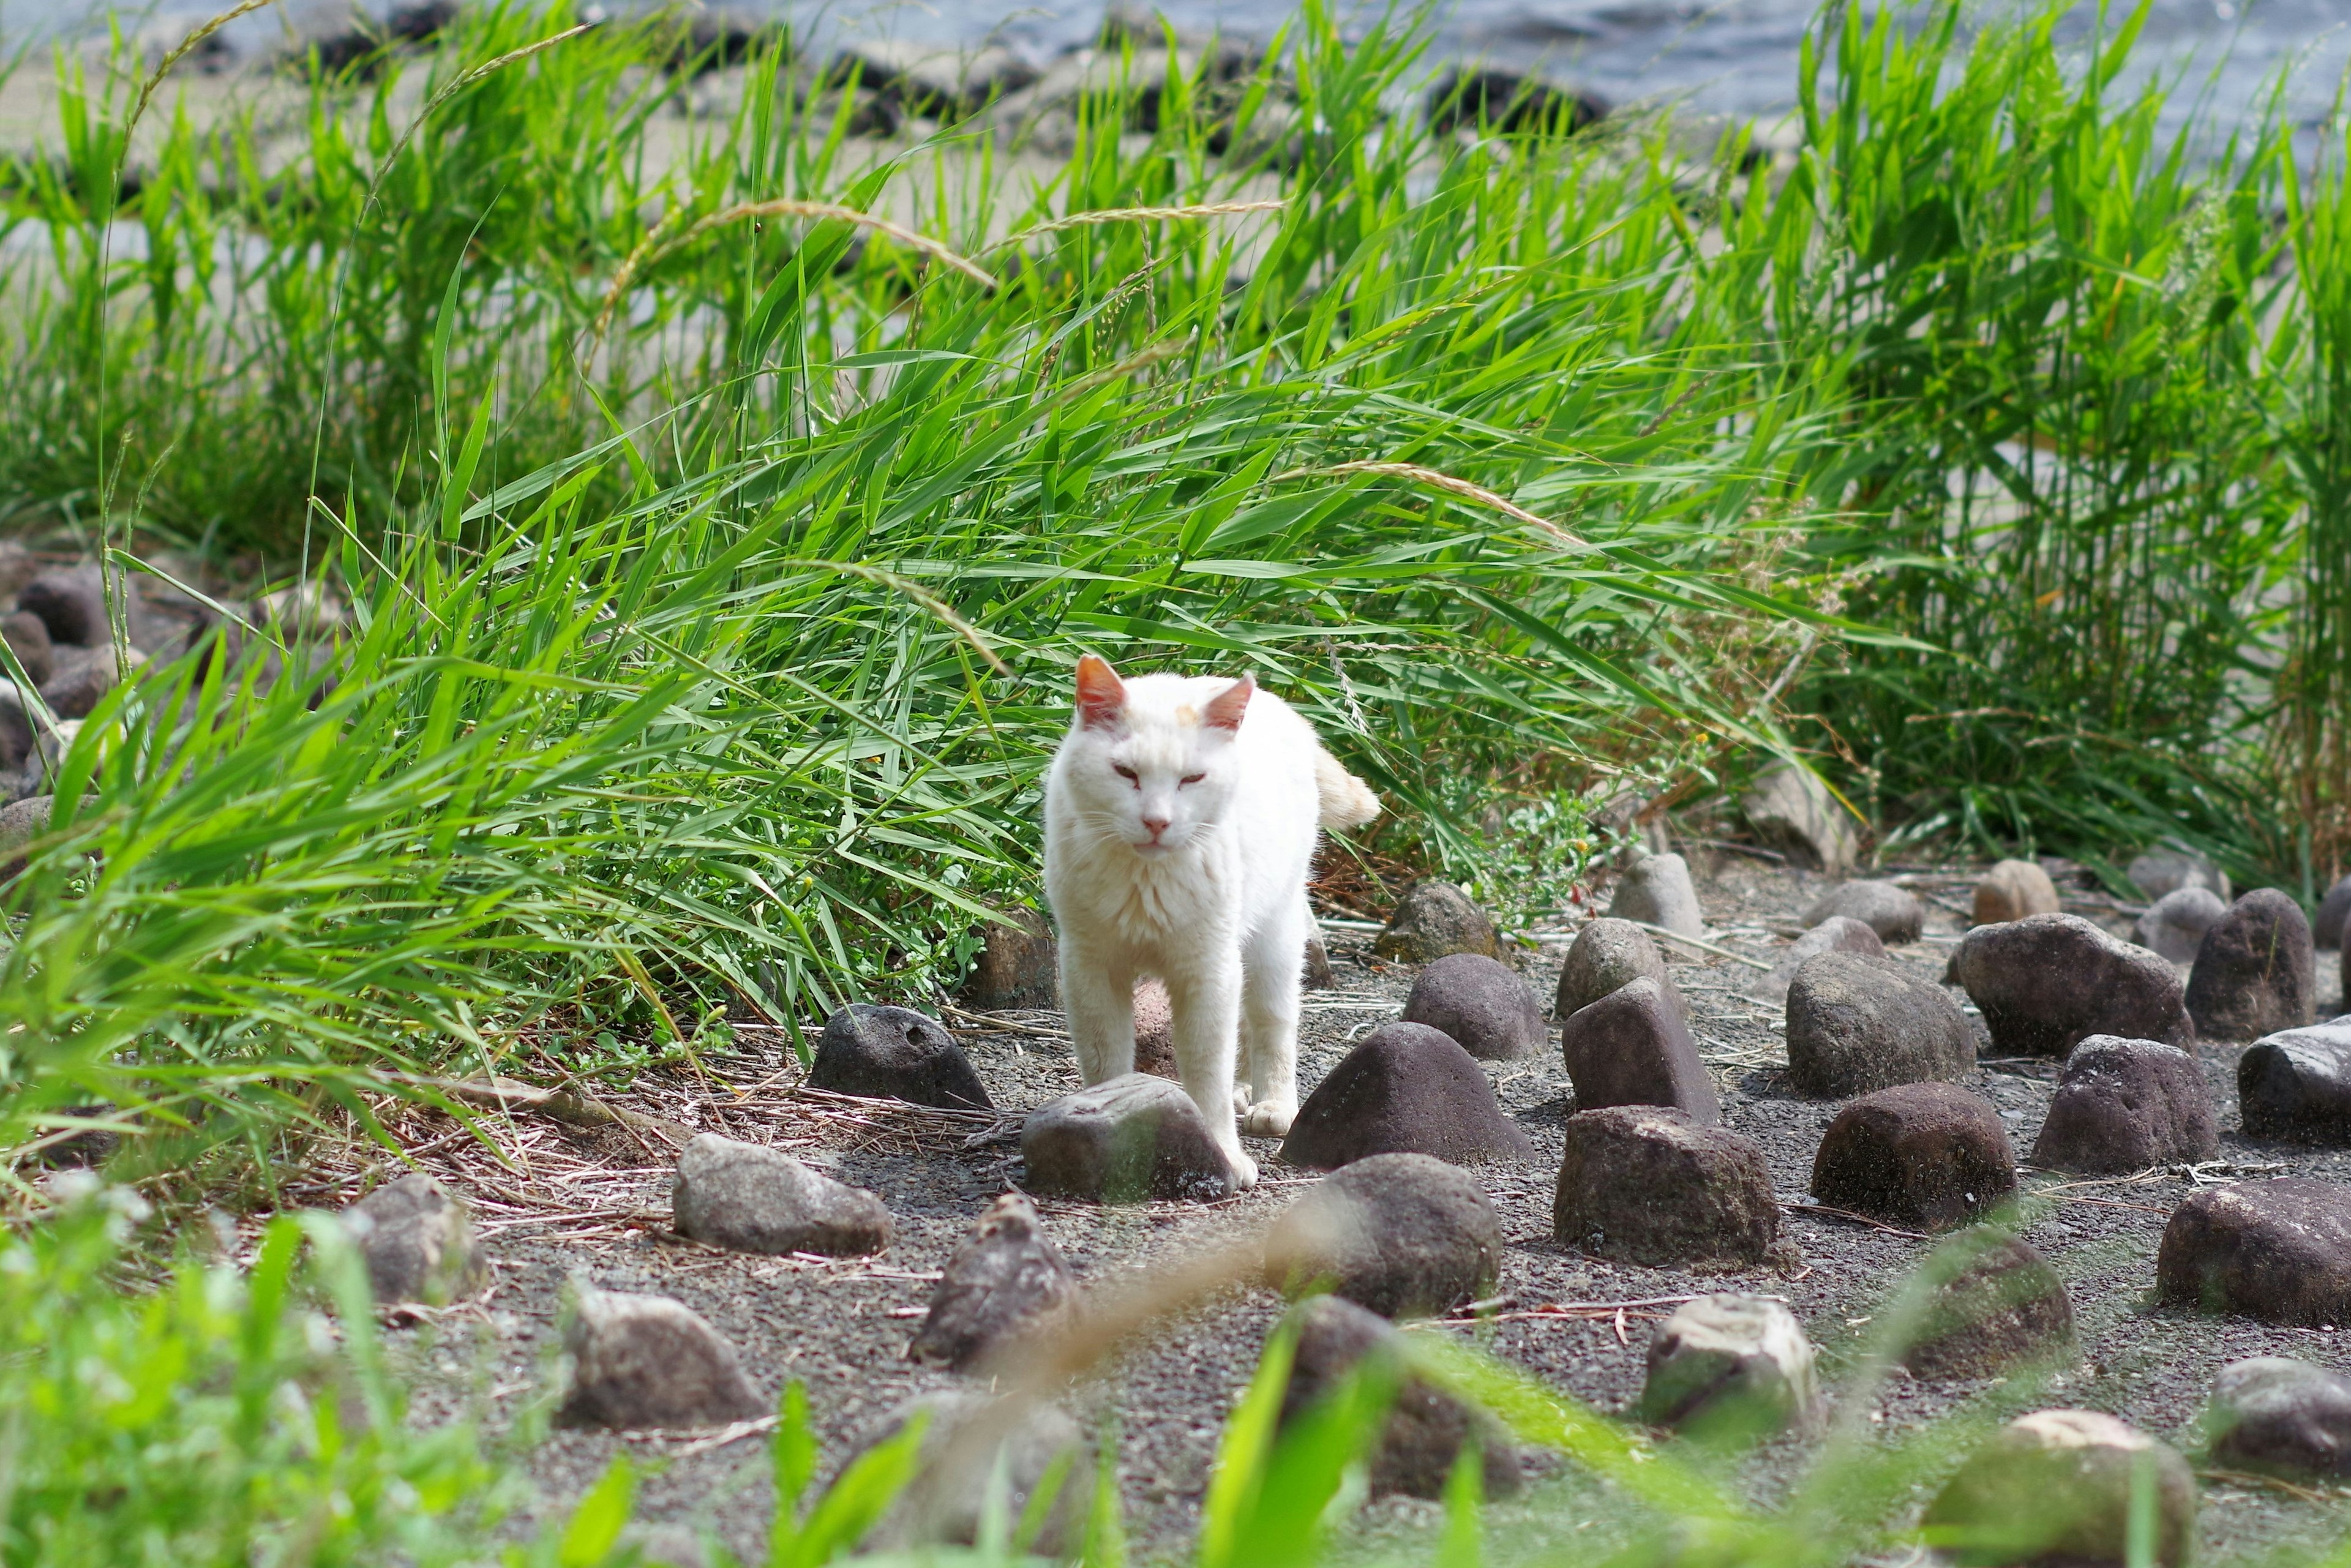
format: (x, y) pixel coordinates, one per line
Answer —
(1425, 1428)
(1606, 955)
(2256, 972)
(2174, 924)
(747, 1198)
(645, 1363)
(2277, 1250)
(1404, 1235)
(416, 1242)
(1315, 973)
(895, 1053)
(27, 636)
(1154, 1030)
(969, 1442)
(2000, 1306)
(2055, 1486)
(1006, 1283)
(1484, 1004)
(2334, 913)
(930, 82)
(80, 678)
(663, 1546)
(1892, 912)
(1647, 1185)
(71, 603)
(1659, 891)
(1018, 965)
(1433, 919)
(1926, 1154)
(1731, 1368)
(1790, 808)
(2013, 890)
(2126, 1104)
(2282, 1417)
(1837, 933)
(1125, 1140)
(1855, 1024)
(1405, 1089)
(1632, 1047)
(2048, 981)
(21, 822)
(2159, 871)
(2296, 1084)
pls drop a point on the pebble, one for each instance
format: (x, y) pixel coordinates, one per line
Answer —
(2334, 913)
(1425, 1428)
(416, 1242)
(79, 677)
(1125, 1140)
(2125, 1105)
(2174, 924)
(2159, 871)
(2055, 1487)
(1792, 810)
(1433, 919)
(1018, 965)
(71, 603)
(1855, 1024)
(2278, 1250)
(643, 1363)
(973, 1444)
(2002, 1307)
(2046, 981)
(1606, 955)
(2296, 1084)
(1405, 1089)
(1633, 1047)
(895, 1053)
(2282, 1417)
(28, 637)
(1484, 1004)
(747, 1198)
(1005, 1282)
(1658, 891)
(1837, 933)
(2256, 972)
(2013, 890)
(1648, 1185)
(1927, 1154)
(1731, 1368)
(1894, 913)
(1404, 1235)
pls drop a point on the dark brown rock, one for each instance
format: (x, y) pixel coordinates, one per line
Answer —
(1894, 913)
(416, 1241)
(1123, 1141)
(1632, 1048)
(1426, 1429)
(1019, 966)
(1606, 954)
(27, 636)
(2048, 981)
(1837, 933)
(1484, 1004)
(2277, 1250)
(2282, 1417)
(1405, 1089)
(2053, 1488)
(1855, 1024)
(2294, 1085)
(2255, 970)
(1434, 919)
(1006, 1283)
(895, 1053)
(645, 1363)
(749, 1197)
(2000, 1305)
(1648, 1185)
(70, 601)
(1929, 1154)
(2126, 1105)
(1404, 1235)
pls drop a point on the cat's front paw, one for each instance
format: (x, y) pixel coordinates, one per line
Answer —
(1244, 1169)
(1268, 1119)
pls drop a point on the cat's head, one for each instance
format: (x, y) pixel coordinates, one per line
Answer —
(1151, 761)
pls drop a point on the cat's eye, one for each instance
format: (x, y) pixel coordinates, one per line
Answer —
(1123, 772)
(1191, 779)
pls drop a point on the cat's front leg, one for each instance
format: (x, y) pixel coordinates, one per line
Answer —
(1270, 1006)
(1207, 1007)
(1098, 995)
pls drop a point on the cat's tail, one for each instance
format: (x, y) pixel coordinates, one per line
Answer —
(1346, 800)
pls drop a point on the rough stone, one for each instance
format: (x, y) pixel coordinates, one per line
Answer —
(1929, 1154)
(416, 1242)
(1155, 1030)
(1484, 1004)
(1894, 913)
(27, 636)
(1404, 1235)
(2013, 890)
(1837, 933)
(1124, 1140)
(2046, 981)
(2334, 913)
(1647, 1185)
(1434, 918)
(2174, 924)
(79, 678)
(749, 1197)
(1473, 99)
(2126, 1105)
(1006, 1283)
(968, 1441)
(2277, 1250)
(643, 1363)
(21, 822)
(1018, 965)
(2001, 1306)
(2282, 1417)
(2055, 1487)
(2295, 1084)
(71, 603)
(1315, 973)
(1855, 1024)
(1425, 1428)
(895, 1053)
(931, 82)
(1606, 955)
(1405, 1089)
(1633, 1047)
(1730, 1368)
(1658, 891)
(1790, 809)
(2255, 972)
(2159, 871)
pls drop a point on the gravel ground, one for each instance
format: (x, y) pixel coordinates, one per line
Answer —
(841, 1326)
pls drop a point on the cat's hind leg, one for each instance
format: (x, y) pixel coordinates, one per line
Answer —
(1270, 965)
(1097, 994)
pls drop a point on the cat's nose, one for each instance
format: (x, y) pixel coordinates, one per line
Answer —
(1157, 825)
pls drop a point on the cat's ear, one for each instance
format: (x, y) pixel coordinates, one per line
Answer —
(1101, 695)
(1224, 709)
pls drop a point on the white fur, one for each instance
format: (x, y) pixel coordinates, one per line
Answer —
(1214, 904)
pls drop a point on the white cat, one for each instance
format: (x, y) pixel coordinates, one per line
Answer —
(1180, 819)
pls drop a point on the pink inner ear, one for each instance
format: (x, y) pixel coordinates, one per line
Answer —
(1101, 695)
(1224, 709)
